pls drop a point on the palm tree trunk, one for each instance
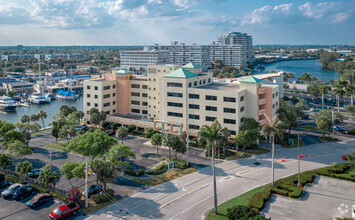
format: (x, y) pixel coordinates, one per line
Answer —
(43, 122)
(273, 155)
(169, 153)
(157, 150)
(338, 103)
(322, 100)
(352, 99)
(214, 183)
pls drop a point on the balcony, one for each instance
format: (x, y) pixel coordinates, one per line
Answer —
(263, 122)
(262, 111)
(261, 91)
(262, 101)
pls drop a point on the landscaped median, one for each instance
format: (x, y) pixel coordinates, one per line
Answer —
(249, 204)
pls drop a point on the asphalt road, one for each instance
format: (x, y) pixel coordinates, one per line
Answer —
(328, 198)
(190, 197)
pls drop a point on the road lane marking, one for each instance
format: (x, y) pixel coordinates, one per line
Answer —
(183, 196)
(248, 170)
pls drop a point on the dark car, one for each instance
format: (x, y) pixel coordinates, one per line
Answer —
(93, 189)
(23, 192)
(4, 183)
(39, 199)
(110, 132)
(35, 172)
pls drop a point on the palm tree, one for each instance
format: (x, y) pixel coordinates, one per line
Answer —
(42, 115)
(122, 132)
(5, 160)
(350, 91)
(156, 141)
(168, 141)
(47, 177)
(338, 90)
(273, 127)
(306, 77)
(24, 168)
(212, 135)
(324, 89)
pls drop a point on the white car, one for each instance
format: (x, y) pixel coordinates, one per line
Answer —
(9, 192)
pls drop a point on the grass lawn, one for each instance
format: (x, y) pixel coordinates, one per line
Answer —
(93, 207)
(165, 177)
(59, 146)
(328, 139)
(256, 151)
(311, 128)
(295, 143)
(348, 173)
(155, 157)
(239, 200)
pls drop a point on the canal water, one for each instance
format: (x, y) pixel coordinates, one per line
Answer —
(51, 109)
(298, 67)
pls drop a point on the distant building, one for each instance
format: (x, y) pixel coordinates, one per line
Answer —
(21, 87)
(42, 56)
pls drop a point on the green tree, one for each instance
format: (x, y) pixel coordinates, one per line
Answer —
(302, 104)
(104, 171)
(27, 129)
(5, 126)
(156, 141)
(323, 123)
(306, 77)
(338, 117)
(91, 144)
(10, 137)
(118, 154)
(56, 125)
(178, 145)
(79, 170)
(324, 89)
(64, 132)
(18, 148)
(24, 168)
(97, 117)
(68, 168)
(42, 115)
(212, 136)
(349, 91)
(72, 132)
(273, 128)
(338, 90)
(122, 133)
(12, 93)
(25, 118)
(288, 114)
(5, 160)
(48, 177)
(249, 133)
(167, 141)
(34, 117)
(350, 109)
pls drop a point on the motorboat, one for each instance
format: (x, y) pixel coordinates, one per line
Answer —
(51, 96)
(38, 98)
(7, 104)
(67, 95)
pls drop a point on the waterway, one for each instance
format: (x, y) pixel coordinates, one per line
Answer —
(51, 109)
(298, 67)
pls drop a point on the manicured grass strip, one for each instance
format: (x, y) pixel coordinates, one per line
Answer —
(155, 157)
(165, 177)
(239, 200)
(59, 146)
(329, 139)
(308, 127)
(93, 207)
(295, 143)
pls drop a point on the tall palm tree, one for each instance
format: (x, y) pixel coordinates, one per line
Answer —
(168, 141)
(24, 168)
(273, 127)
(324, 89)
(212, 135)
(350, 91)
(48, 177)
(338, 90)
(156, 141)
(42, 115)
(306, 77)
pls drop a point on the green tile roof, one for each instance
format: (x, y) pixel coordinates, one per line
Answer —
(181, 73)
(191, 66)
(250, 79)
(123, 72)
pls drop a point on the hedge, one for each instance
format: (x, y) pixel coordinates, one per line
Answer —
(258, 199)
(179, 164)
(104, 197)
(159, 169)
(134, 172)
(352, 131)
(243, 212)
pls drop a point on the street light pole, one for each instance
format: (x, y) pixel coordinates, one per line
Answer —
(333, 121)
(298, 169)
(50, 159)
(86, 183)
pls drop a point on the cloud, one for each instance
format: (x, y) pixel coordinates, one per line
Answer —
(12, 13)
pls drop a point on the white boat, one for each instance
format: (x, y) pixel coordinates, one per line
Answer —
(67, 95)
(51, 96)
(38, 98)
(7, 104)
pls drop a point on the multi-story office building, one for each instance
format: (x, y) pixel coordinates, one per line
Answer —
(138, 59)
(237, 38)
(175, 99)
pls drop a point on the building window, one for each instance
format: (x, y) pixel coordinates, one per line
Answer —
(190, 84)
(242, 109)
(114, 111)
(107, 112)
(145, 95)
(195, 83)
(273, 105)
(229, 99)
(114, 103)
(170, 84)
(196, 117)
(174, 94)
(192, 106)
(277, 103)
(144, 87)
(273, 96)
(200, 82)
(211, 108)
(209, 80)
(229, 121)
(88, 95)
(133, 102)
(113, 86)
(107, 96)
(96, 105)
(233, 132)
(194, 96)
(208, 118)
(241, 98)
(241, 119)
(107, 104)
(204, 81)
(135, 86)
(196, 127)
(133, 110)
(175, 104)
(113, 94)
(137, 94)
(277, 93)
(107, 87)
(88, 87)
(211, 97)
(88, 104)
(96, 88)
(175, 114)
(144, 112)
(88, 112)
(96, 96)
(144, 103)
(229, 110)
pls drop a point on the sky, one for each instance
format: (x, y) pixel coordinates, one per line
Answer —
(145, 22)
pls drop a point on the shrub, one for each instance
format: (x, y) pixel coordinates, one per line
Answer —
(159, 169)
(279, 191)
(150, 133)
(108, 195)
(179, 164)
(131, 128)
(352, 131)
(258, 199)
(134, 172)
(239, 212)
(74, 195)
(296, 193)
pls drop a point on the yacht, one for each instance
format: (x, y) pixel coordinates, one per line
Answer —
(51, 96)
(7, 104)
(67, 95)
(38, 98)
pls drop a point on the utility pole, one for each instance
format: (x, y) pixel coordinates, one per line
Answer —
(86, 183)
(50, 159)
(187, 147)
(298, 169)
(333, 121)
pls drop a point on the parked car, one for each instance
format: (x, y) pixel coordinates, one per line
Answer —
(110, 132)
(11, 190)
(64, 211)
(81, 127)
(337, 128)
(23, 192)
(344, 157)
(314, 109)
(35, 172)
(306, 117)
(4, 183)
(39, 199)
(93, 189)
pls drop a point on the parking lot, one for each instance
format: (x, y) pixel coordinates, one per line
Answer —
(18, 210)
(328, 198)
